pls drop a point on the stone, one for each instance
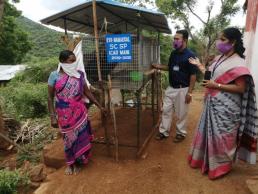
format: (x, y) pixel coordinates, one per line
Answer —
(53, 154)
(34, 185)
(50, 170)
(252, 185)
(37, 173)
(145, 155)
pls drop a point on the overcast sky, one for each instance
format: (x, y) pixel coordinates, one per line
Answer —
(39, 9)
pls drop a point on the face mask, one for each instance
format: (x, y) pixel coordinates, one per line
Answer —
(69, 68)
(70, 64)
(177, 44)
(223, 47)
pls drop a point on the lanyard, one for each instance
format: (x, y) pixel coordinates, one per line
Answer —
(218, 63)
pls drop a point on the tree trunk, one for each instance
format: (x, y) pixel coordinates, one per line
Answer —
(1, 121)
(207, 51)
(1, 9)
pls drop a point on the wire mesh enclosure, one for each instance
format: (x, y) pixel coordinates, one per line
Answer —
(124, 75)
(135, 124)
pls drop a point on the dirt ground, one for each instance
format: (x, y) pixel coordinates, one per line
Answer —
(163, 169)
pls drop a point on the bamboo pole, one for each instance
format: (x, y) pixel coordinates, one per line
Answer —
(103, 117)
(156, 78)
(147, 140)
(114, 117)
(96, 37)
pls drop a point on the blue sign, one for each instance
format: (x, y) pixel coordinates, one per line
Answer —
(119, 48)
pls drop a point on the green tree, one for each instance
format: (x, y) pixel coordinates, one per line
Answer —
(182, 10)
(14, 43)
(45, 42)
(2, 4)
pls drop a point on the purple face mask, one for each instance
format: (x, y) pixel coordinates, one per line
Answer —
(223, 47)
(177, 44)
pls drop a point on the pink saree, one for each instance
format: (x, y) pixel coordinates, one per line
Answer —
(73, 119)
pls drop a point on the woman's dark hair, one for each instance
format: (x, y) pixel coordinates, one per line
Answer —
(234, 34)
(64, 55)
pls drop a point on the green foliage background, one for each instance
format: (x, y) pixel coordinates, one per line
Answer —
(26, 95)
(14, 42)
(45, 42)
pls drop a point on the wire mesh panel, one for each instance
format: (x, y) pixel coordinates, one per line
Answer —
(124, 75)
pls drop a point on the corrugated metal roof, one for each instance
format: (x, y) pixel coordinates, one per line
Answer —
(120, 17)
(7, 72)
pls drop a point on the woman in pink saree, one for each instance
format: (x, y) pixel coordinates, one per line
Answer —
(67, 87)
(228, 125)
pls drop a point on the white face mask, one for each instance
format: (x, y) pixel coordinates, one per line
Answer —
(70, 69)
(69, 65)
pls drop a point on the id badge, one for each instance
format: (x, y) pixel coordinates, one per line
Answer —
(176, 68)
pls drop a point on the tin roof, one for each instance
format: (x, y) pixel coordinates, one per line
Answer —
(120, 17)
(7, 72)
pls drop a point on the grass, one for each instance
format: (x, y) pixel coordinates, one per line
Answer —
(11, 180)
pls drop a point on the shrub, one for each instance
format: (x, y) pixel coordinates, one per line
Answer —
(37, 71)
(25, 100)
(26, 95)
(10, 180)
(33, 149)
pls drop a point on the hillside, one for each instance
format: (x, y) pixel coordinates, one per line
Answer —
(45, 41)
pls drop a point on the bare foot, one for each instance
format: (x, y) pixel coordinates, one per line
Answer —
(69, 170)
(76, 169)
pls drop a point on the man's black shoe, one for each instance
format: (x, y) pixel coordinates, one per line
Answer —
(160, 136)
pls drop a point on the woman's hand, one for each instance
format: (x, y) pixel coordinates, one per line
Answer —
(196, 62)
(104, 111)
(210, 84)
(54, 122)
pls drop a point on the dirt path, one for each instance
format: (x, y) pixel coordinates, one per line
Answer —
(164, 170)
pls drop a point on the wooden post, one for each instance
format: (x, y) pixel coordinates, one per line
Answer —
(153, 98)
(96, 37)
(65, 25)
(103, 117)
(114, 117)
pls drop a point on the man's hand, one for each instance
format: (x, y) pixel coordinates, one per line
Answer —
(156, 66)
(160, 67)
(188, 98)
